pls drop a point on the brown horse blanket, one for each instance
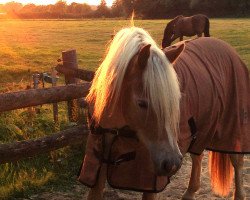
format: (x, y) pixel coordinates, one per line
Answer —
(123, 172)
(215, 90)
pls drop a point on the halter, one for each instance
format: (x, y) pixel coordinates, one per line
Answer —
(121, 132)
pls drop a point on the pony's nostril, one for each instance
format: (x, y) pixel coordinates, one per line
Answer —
(171, 167)
(167, 166)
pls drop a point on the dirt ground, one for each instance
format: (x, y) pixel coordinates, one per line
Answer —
(173, 191)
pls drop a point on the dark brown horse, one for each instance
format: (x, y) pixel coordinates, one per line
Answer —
(185, 26)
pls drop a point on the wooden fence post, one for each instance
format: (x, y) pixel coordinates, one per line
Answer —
(69, 59)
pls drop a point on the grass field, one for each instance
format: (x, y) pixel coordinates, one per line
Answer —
(36, 46)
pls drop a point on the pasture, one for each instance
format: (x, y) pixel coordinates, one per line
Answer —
(35, 46)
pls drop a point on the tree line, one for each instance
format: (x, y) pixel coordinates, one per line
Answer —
(57, 10)
(172, 8)
(144, 9)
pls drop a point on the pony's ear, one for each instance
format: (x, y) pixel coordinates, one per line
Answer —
(143, 56)
(173, 53)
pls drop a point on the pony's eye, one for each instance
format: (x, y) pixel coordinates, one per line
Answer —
(142, 104)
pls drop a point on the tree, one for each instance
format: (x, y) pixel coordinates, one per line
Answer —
(144, 8)
(123, 8)
(78, 9)
(29, 8)
(128, 6)
(103, 10)
(117, 9)
(59, 8)
(12, 6)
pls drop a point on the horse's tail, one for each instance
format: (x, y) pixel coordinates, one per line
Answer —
(207, 27)
(221, 173)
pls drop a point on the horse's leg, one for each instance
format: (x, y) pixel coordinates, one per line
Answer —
(96, 193)
(149, 196)
(194, 182)
(238, 162)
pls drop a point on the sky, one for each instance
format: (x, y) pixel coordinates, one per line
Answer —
(44, 2)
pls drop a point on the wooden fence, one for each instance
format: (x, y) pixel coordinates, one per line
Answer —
(34, 97)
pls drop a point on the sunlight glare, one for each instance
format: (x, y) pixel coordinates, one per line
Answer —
(39, 2)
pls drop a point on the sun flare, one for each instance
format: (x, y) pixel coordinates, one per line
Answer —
(39, 2)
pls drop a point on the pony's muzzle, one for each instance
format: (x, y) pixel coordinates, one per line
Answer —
(170, 165)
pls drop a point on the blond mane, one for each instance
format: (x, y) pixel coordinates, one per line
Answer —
(160, 80)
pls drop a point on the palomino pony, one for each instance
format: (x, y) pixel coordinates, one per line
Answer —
(185, 26)
(200, 101)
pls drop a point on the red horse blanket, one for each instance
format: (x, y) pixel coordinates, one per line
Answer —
(215, 90)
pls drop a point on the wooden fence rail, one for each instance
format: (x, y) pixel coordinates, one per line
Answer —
(34, 97)
(82, 74)
(25, 149)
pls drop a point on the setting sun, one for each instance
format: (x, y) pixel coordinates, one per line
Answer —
(39, 2)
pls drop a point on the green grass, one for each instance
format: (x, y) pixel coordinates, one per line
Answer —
(36, 46)
(51, 171)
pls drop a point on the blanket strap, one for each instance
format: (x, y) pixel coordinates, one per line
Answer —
(193, 130)
(122, 158)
